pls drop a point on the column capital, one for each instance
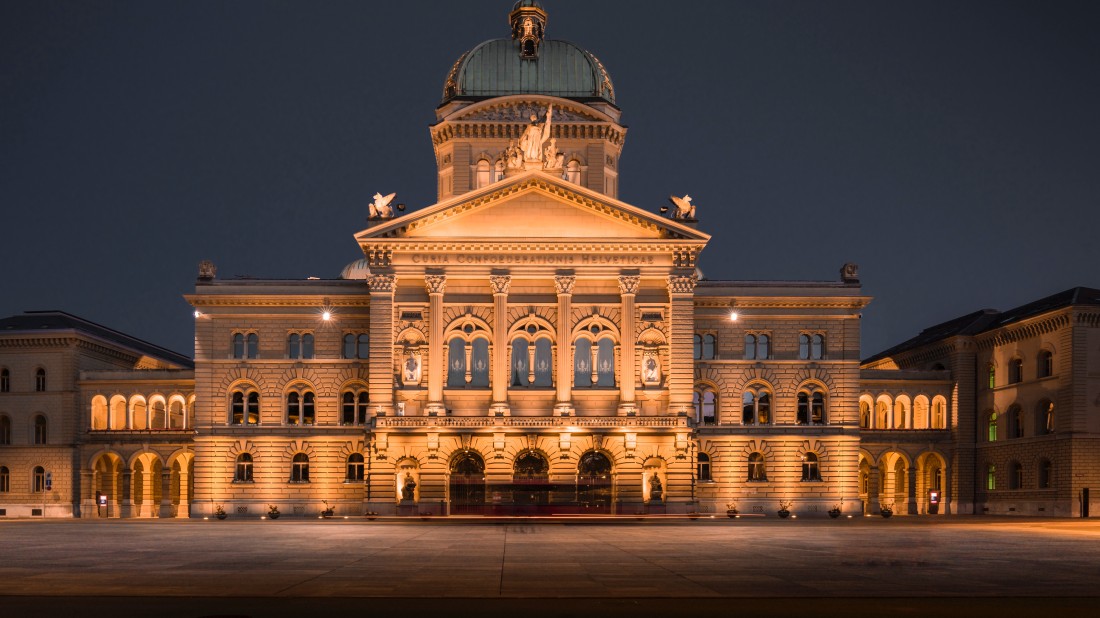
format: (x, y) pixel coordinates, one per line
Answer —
(500, 283)
(681, 284)
(382, 283)
(565, 283)
(435, 284)
(628, 284)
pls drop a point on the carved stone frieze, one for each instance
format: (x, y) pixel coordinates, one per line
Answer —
(565, 283)
(522, 112)
(500, 283)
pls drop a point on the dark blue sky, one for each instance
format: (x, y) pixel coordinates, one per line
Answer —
(951, 149)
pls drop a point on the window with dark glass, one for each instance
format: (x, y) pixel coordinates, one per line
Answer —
(1015, 419)
(5, 429)
(40, 380)
(355, 468)
(710, 346)
(300, 346)
(755, 408)
(1046, 417)
(40, 427)
(244, 469)
(245, 408)
(252, 346)
(5, 381)
(582, 363)
(356, 346)
(1045, 364)
(750, 347)
(456, 363)
(1046, 474)
(353, 410)
(1016, 371)
(697, 346)
(811, 471)
(39, 481)
(705, 401)
(1015, 475)
(300, 408)
(5, 480)
(702, 467)
(817, 347)
(238, 345)
(299, 469)
(605, 362)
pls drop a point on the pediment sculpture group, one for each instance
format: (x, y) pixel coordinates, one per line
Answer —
(532, 146)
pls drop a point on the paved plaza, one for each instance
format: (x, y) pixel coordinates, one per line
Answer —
(288, 565)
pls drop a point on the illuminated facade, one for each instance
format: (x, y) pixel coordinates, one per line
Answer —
(528, 344)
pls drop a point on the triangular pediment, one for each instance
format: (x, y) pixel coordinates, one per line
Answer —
(533, 206)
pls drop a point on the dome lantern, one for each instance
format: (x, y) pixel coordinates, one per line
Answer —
(528, 20)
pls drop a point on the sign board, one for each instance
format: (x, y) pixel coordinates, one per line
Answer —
(49, 481)
(102, 499)
(934, 497)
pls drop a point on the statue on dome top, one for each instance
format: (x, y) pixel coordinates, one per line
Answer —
(380, 207)
(684, 208)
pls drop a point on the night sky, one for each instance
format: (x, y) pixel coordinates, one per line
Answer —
(951, 149)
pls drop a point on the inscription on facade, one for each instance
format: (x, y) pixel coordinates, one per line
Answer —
(518, 258)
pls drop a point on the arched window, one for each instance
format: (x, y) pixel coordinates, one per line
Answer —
(353, 410)
(706, 405)
(39, 480)
(5, 429)
(139, 413)
(544, 363)
(991, 477)
(697, 346)
(991, 375)
(864, 415)
(1016, 371)
(484, 175)
(750, 347)
(243, 473)
(817, 347)
(702, 467)
(1046, 474)
(763, 347)
(1015, 418)
(299, 469)
(356, 346)
(811, 408)
(157, 417)
(991, 427)
(456, 363)
(252, 346)
(245, 408)
(177, 419)
(300, 408)
(299, 346)
(238, 345)
(882, 414)
(1045, 364)
(811, 471)
(40, 380)
(479, 363)
(5, 480)
(582, 363)
(710, 346)
(498, 170)
(354, 468)
(758, 471)
(901, 415)
(756, 404)
(804, 347)
(118, 413)
(573, 171)
(605, 362)
(939, 413)
(5, 380)
(1046, 417)
(40, 429)
(520, 363)
(1015, 475)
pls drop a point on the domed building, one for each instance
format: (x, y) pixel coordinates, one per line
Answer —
(530, 344)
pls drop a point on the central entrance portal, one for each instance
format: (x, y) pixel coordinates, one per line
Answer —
(594, 483)
(467, 484)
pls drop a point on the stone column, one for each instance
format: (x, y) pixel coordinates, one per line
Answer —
(87, 494)
(500, 285)
(628, 287)
(873, 484)
(183, 510)
(945, 491)
(564, 285)
(127, 509)
(912, 486)
(148, 509)
(437, 363)
(681, 373)
(380, 382)
(165, 493)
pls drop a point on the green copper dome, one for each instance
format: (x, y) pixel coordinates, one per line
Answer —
(496, 68)
(528, 63)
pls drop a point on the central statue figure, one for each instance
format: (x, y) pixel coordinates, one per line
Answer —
(535, 136)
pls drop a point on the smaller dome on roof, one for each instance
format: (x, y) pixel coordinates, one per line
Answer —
(527, 3)
(357, 270)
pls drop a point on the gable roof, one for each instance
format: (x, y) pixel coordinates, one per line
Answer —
(989, 319)
(535, 181)
(38, 321)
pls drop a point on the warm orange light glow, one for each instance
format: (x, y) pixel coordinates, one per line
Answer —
(733, 316)
(326, 315)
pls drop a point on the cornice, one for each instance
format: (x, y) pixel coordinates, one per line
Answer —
(1023, 330)
(273, 300)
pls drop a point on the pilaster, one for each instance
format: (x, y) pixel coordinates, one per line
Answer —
(628, 288)
(681, 290)
(380, 382)
(564, 285)
(436, 285)
(500, 285)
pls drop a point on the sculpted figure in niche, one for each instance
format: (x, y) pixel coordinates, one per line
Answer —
(535, 136)
(554, 158)
(411, 374)
(408, 489)
(650, 374)
(656, 490)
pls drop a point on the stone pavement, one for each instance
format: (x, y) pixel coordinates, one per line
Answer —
(720, 562)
